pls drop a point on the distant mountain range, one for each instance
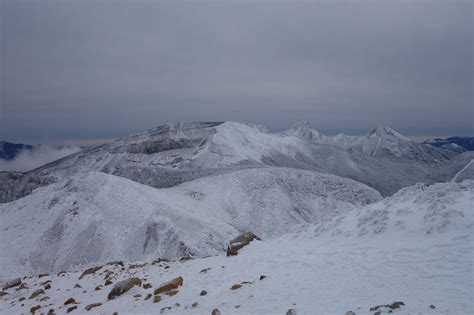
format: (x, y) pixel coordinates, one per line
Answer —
(453, 143)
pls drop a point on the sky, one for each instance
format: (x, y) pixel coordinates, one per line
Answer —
(84, 71)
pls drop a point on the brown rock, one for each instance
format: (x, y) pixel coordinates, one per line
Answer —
(215, 312)
(51, 311)
(90, 271)
(34, 309)
(21, 287)
(46, 282)
(156, 298)
(172, 292)
(108, 282)
(70, 301)
(170, 285)
(236, 286)
(137, 295)
(203, 292)
(72, 308)
(239, 242)
(123, 286)
(47, 286)
(146, 285)
(44, 298)
(396, 305)
(12, 283)
(90, 306)
(36, 293)
(2, 293)
(98, 288)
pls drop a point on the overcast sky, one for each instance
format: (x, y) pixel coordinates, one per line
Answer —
(101, 69)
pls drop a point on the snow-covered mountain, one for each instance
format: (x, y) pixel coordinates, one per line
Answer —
(415, 248)
(94, 217)
(172, 154)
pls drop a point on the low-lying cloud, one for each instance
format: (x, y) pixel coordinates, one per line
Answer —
(31, 159)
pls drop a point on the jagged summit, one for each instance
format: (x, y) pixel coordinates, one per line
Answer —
(302, 129)
(381, 131)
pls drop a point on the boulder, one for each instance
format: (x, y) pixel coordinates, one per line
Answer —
(36, 293)
(215, 312)
(237, 243)
(90, 271)
(291, 311)
(70, 301)
(203, 292)
(123, 286)
(170, 285)
(34, 309)
(12, 283)
(72, 308)
(156, 298)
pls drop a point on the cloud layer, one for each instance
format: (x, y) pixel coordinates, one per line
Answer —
(105, 69)
(31, 159)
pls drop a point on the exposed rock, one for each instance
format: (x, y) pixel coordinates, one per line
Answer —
(21, 287)
(118, 263)
(172, 292)
(61, 273)
(236, 286)
(41, 275)
(98, 288)
(36, 293)
(90, 271)
(21, 299)
(159, 260)
(90, 306)
(130, 266)
(203, 292)
(108, 274)
(51, 311)
(186, 258)
(350, 313)
(72, 308)
(205, 270)
(12, 283)
(137, 295)
(108, 282)
(123, 286)
(194, 304)
(215, 312)
(170, 285)
(44, 298)
(34, 309)
(432, 306)
(148, 296)
(146, 285)
(70, 301)
(2, 293)
(396, 305)
(77, 285)
(246, 282)
(239, 242)
(46, 282)
(291, 311)
(156, 298)
(47, 286)
(392, 306)
(165, 308)
(262, 277)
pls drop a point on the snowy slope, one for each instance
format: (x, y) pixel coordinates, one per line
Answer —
(415, 247)
(95, 217)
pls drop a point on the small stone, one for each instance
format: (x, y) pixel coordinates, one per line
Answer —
(237, 306)
(215, 312)
(123, 286)
(36, 293)
(137, 295)
(172, 292)
(61, 273)
(21, 287)
(72, 308)
(291, 311)
(44, 298)
(90, 271)
(22, 299)
(148, 296)
(51, 311)
(236, 286)
(90, 306)
(70, 301)
(156, 298)
(205, 270)
(147, 285)
(43, 275)
(203, 292)
(396, 305)
(77, 285)
(170, 285)
(194, 304)
(177, 304)
(108, 282)
(97, 288)
(2, 293)
(47, 286)
(262, 277)
(34, 309)
(350, 313)
(432, 306)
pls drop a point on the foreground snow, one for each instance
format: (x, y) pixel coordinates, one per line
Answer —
(415, 247)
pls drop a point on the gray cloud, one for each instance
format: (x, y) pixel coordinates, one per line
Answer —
(76, 69)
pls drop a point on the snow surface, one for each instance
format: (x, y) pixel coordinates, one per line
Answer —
(94, 217)
(415, 247)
